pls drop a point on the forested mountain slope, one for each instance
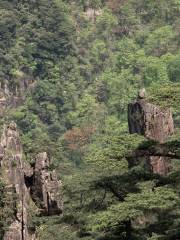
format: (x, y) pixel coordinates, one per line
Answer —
(68, 71)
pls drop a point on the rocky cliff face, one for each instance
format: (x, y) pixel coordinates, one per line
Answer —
(16, 174)
(154, 122)
(13, 175)
(12, 95)
(45, 186)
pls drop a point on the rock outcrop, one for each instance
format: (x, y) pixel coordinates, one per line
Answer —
(27, 184)
(45, 186)
(154, 122)
(12, 94)
(13, 175)
(91, 12)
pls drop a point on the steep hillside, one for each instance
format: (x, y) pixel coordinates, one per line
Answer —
(68, 71)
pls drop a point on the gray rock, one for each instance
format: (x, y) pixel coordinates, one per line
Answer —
(13, 173)
(46, 186)
(39, 184)
(153, 122)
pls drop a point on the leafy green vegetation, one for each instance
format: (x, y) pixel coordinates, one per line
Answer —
(75, 66)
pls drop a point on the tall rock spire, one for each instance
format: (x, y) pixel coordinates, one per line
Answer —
(153, 122)
(13, 175)
(45, 187)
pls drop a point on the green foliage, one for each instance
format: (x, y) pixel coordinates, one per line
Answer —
(136, 205)
(106, 21)
(167, 96)
(143, 210)
(159, 41)
(173, 68)
(74, 78)
(6, 210)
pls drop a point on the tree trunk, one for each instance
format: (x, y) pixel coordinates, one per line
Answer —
(128, 229)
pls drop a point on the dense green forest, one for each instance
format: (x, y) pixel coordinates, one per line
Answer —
(76, 65)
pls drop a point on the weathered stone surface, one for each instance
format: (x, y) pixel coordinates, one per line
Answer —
(92, 14)
(12, 172)
(26, 183)
(13, 95)
(154, 122)
(142, 93)
(14, 231)
(46, 187)
(28, 169)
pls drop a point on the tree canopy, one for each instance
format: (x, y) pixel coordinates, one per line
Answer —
(74, 66)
